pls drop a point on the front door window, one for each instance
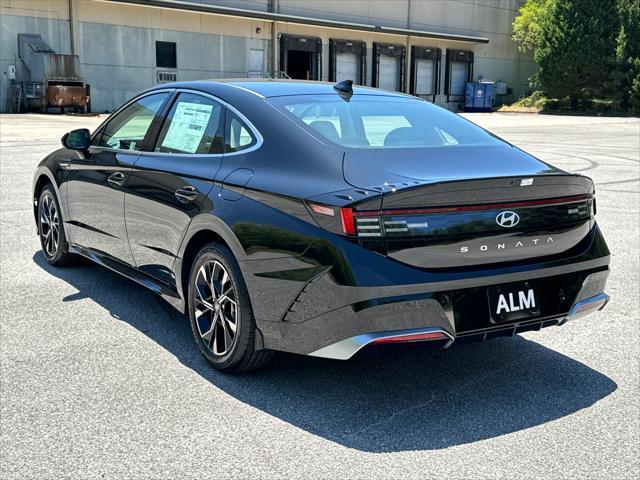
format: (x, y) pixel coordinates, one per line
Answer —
(127, 130)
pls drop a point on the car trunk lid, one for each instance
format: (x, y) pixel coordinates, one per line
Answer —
(452, 213)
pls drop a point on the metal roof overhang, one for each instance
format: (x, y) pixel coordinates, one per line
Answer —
(317, 22)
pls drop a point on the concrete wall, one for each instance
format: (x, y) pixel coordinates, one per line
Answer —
(116, 42)
(120, 40)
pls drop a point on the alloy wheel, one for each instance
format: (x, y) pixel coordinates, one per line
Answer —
(216, 309)
(49, 225)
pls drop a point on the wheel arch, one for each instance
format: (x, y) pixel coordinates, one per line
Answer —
(202, 230)
(43, 177)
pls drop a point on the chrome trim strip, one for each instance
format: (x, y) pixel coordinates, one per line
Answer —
(245, 89)
(256, 133)
(347, 348)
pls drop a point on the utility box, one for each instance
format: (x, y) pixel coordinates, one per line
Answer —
(49, 79)
(479, 96)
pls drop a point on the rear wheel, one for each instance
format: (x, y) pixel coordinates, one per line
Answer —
(220, 312)
(52, 237)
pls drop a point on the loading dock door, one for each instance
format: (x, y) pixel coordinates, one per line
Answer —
(425, 72)
(299, 64)
(388, 72)
(301, 57)
(347, 67)
(388, 68)
(424, 77)
(458, 71)
(458, 78)
(347, 61)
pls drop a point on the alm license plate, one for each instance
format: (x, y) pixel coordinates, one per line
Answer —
(508, 303)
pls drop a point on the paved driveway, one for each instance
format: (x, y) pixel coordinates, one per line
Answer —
(99, 378)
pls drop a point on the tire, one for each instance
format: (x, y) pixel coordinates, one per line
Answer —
(51, 230)
(222, 323)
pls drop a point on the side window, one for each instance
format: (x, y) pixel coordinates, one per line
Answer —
(238, 137)
(192, 126)
(128, 128)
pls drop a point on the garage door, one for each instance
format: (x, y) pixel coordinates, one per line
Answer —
(424, 76)
(458, 78)
(388, 76)
(347, 67)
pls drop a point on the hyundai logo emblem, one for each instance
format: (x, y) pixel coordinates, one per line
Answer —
(507, 219)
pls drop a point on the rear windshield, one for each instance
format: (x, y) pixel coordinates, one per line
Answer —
(370, 121)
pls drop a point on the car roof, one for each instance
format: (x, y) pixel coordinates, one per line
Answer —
(265, 87)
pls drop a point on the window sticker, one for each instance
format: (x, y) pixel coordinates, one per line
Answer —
(187, 127)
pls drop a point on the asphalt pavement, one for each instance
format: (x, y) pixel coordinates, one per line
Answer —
(99, 378)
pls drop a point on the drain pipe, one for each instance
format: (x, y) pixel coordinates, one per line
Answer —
(72, 42)
(274, 7)
(407, 53)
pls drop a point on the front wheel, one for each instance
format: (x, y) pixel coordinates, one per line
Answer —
(220, 312)
(52, 237)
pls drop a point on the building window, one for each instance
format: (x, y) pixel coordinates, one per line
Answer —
(166, 55)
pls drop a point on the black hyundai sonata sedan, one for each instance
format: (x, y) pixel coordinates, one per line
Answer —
(320, 219)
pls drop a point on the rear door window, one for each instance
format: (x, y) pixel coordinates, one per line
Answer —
(193, 125)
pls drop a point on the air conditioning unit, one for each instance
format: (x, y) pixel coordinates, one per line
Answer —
(166, 76)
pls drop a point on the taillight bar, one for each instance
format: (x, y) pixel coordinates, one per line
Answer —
(415, 337)
(472, 208)
(348, 347)
(348, 224)
(588, 305)
(355, 222)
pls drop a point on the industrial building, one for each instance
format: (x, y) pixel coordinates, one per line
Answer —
(429, 48)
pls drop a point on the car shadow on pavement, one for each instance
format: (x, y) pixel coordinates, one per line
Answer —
(396, 400)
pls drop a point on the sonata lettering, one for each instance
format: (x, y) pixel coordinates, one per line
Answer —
(532, 242)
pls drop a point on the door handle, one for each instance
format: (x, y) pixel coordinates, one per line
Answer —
(116, 179)
(186, 194)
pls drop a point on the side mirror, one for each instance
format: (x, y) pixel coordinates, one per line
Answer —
(77, 139)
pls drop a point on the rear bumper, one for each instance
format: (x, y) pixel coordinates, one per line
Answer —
(438, 318)
(352, 297)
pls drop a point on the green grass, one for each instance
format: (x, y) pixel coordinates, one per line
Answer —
(537, 102)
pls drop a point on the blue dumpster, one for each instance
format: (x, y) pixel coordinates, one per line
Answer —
(479, 96)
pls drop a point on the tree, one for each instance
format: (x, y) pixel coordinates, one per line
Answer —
(576, 48)
(627, 55)
(527, 26)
